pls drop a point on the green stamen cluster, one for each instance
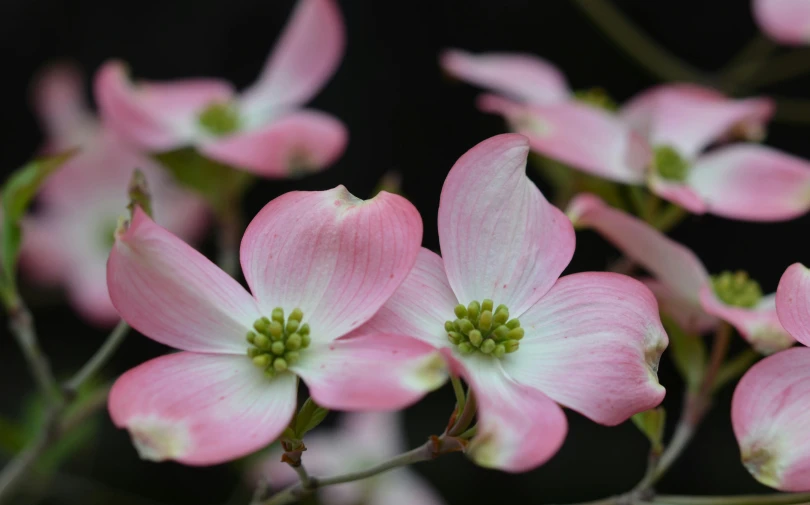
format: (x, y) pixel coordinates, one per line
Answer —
(480, 328)
(668, 164)
(219, 119)
(736, 289)
(597, 97)
(275, 343)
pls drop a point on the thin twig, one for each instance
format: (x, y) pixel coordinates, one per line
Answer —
(762, 499)
(99, 359)
(786, 66)
(228, 239)
(22, 327)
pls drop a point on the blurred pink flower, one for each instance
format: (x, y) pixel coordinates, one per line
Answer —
(318, 264)
(358, 442)
(681, 283)
(769, 410)
(786, 21)
(588, 341)
(262, 129)
(69, 236)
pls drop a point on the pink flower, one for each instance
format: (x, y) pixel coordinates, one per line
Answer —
(523, 338)
(359, 441)
(263, 129)
(535, 98)
(318, 264)
(769, 410)
(681, 283)
(786, 21)
(68, 238)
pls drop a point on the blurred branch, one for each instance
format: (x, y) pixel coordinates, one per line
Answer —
(99, 359)
(637, 44)
(786, 66)
(761, 499)
(792, 110)
(22, 327)
(736, 75)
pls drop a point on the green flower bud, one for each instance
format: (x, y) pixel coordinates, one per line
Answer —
(280, 364)
(278, 348)
(252, 352)
(499, 351)
(473, 310)
(296, 315)
(512, 324)
(476, 338)
(275, 330)
(250, 337)
(278, 315)
(669, 164)
(261, 325)
(465, 347)
(485, 321)
(515, 334)
(292, 357)
(502, 308)
(465, 325)
(292, 326)
(305, 340)
(294, 342)
(449, 326)
(500, 317)
(262, 360)
(500, 332)
(304, 329)
(269, 373)
(486, 305)
(488, 346)
(511, 345)
(455, 337)
(261, 341)
(461, 311)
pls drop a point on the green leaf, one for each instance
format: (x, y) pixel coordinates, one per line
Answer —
(688, 352)
(16, 194)
(218, 183)
(651, 424)
(309, 417)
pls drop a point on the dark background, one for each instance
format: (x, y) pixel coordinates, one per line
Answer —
(402, 114)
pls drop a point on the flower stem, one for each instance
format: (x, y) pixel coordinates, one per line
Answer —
(99, 359)
(786, 66)
(762, 499)
(22, 327)
(466, 417)
(458, 389)
(303, 475)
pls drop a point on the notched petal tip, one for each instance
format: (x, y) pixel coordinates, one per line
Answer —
(429, 373)
(158, 439)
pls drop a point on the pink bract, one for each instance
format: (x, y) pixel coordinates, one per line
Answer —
(328, 254)
(592, 340)
(263, 129)
(786, 21)
(68, 238)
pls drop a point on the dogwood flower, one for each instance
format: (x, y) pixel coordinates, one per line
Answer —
(359, 441)
(521, 336)
(576, 129)
(69, 236)
(685, 290)
(263, 129)
(318, 264)
(786, 21)
(769, 410)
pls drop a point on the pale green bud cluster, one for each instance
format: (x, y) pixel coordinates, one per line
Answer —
(669, 164)
(480, 328)
(596, 97)
(737, 289)
(219, 119)
(276, 343)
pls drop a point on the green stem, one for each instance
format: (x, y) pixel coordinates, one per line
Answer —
(652, 56)
(22, 327)
(303, 475)
(670, 217)
(458, 389)
(763, 499)
(786, 66)
(465, 419)
(99, 359)
(639, 197)
(746, 64)
(734, 368)
(228, 238)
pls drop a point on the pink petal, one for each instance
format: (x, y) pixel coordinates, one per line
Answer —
(420, 305)
(690, 317)
(585, 137)
(689, 118)
(670, 262)
(786, 21)
(201, 409)
(519, 428)
(793, 302)
(593, 344)
(678, 193)
(760, 325)
(523, 77)
(403, 487)
(62, 108)
(307, 54)
(158, 116)
(499, 236)
(770, 416)
(173, 294)
(334, 256)
(752, 182)
(302, 142)
(371, 372)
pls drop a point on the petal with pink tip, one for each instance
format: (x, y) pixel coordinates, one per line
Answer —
(770, 415)
(786, 21)
(201, 409)
(679, 193)
(585, 137)
(371, 372)
(62, 109)
(173, 294)
(523, 77)
(499, 236)
(305, 57)
(519, 428)
(420, 305)
(670, 262)
(159, 116)
(334, 256)
(689, 118)
(759, 325)
(593, 344)
(689, 317)
(299, 143)
(793, 302)
(752, 182)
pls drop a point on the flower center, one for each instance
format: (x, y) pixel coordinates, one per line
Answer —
(596, 97)
(479, 328)
(219, 118)
(668, 164)
(276, 343)
(736, 289)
